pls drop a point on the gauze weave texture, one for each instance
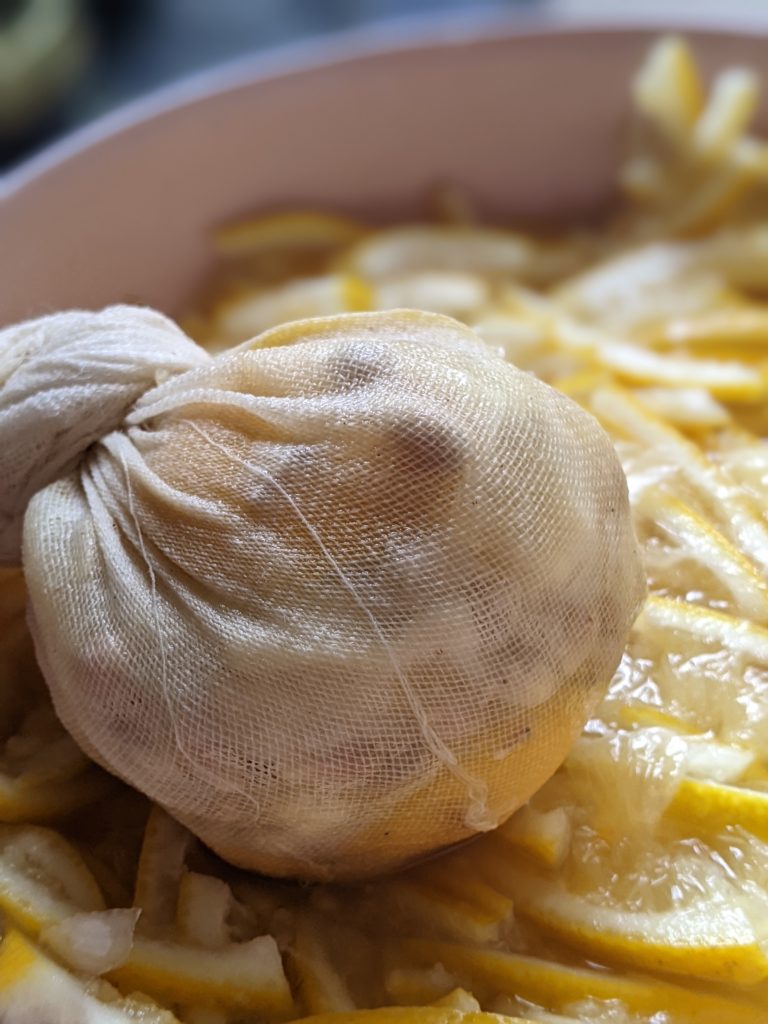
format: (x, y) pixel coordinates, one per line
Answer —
(336, 598)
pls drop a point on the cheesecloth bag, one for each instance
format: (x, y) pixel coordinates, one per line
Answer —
(336, 598)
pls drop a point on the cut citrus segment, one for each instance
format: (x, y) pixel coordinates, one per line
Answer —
(41, 752)
(40, 749)
(624, 780)
(706, 207)
(689, 408)
(731, 106)
(450, 292)
(203, 906)
(161, 863)
(641, 286)
(706, 626)
(732, 508)
(95, 942)
(445, 912)
(668, 89)
(707, 545)
(695, 671)
(596, 1013)
(745, 461)
(43, 879)
(580, 385)
(244, 975)
(33, 988)
(711, 939)
(646, 716)
(246, 316)
(319, 986)
(449, 894)
(49, 801)
(411, 1015)
(295, 229)
(459, 999)
(714, 806)
(515, 338)
(543, 835)
(731, 381)
(737, 329)
(555, 986)
(417, 986)
(405, 250)
(716, 762)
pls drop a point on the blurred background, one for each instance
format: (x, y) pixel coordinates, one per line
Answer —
(64, 62)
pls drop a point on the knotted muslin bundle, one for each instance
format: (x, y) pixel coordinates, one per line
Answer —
(336, 598)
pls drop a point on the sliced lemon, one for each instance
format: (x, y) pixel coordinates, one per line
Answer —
(713, 806)
(543, 835)
(668, 89)
(459, 999)
(449, 894)
(41, 753)
(730, 107)
(706, 626)
(624, 780)
(393, 252)
(95, 942)
(580, 385)
(320, 987)
(49, 801)
(733, 509)
(731, 381)
(246, 316)
(33, 988)
(711, 939)
(685, 662)
(707, 545)
(245, 975)
(740, 328)
(417, 986)
(456, 294)
(161, 863)
(646, 716)
(444, 911)
(705, 208)
(295, 229)
(716, 762)
(204, 903)
(556, 987)
(412, 1015)
(640, 286)
(689, 408)
(746, 461)
(43, 879)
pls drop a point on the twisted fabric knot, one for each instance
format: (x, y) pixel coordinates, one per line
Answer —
(67, 380)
